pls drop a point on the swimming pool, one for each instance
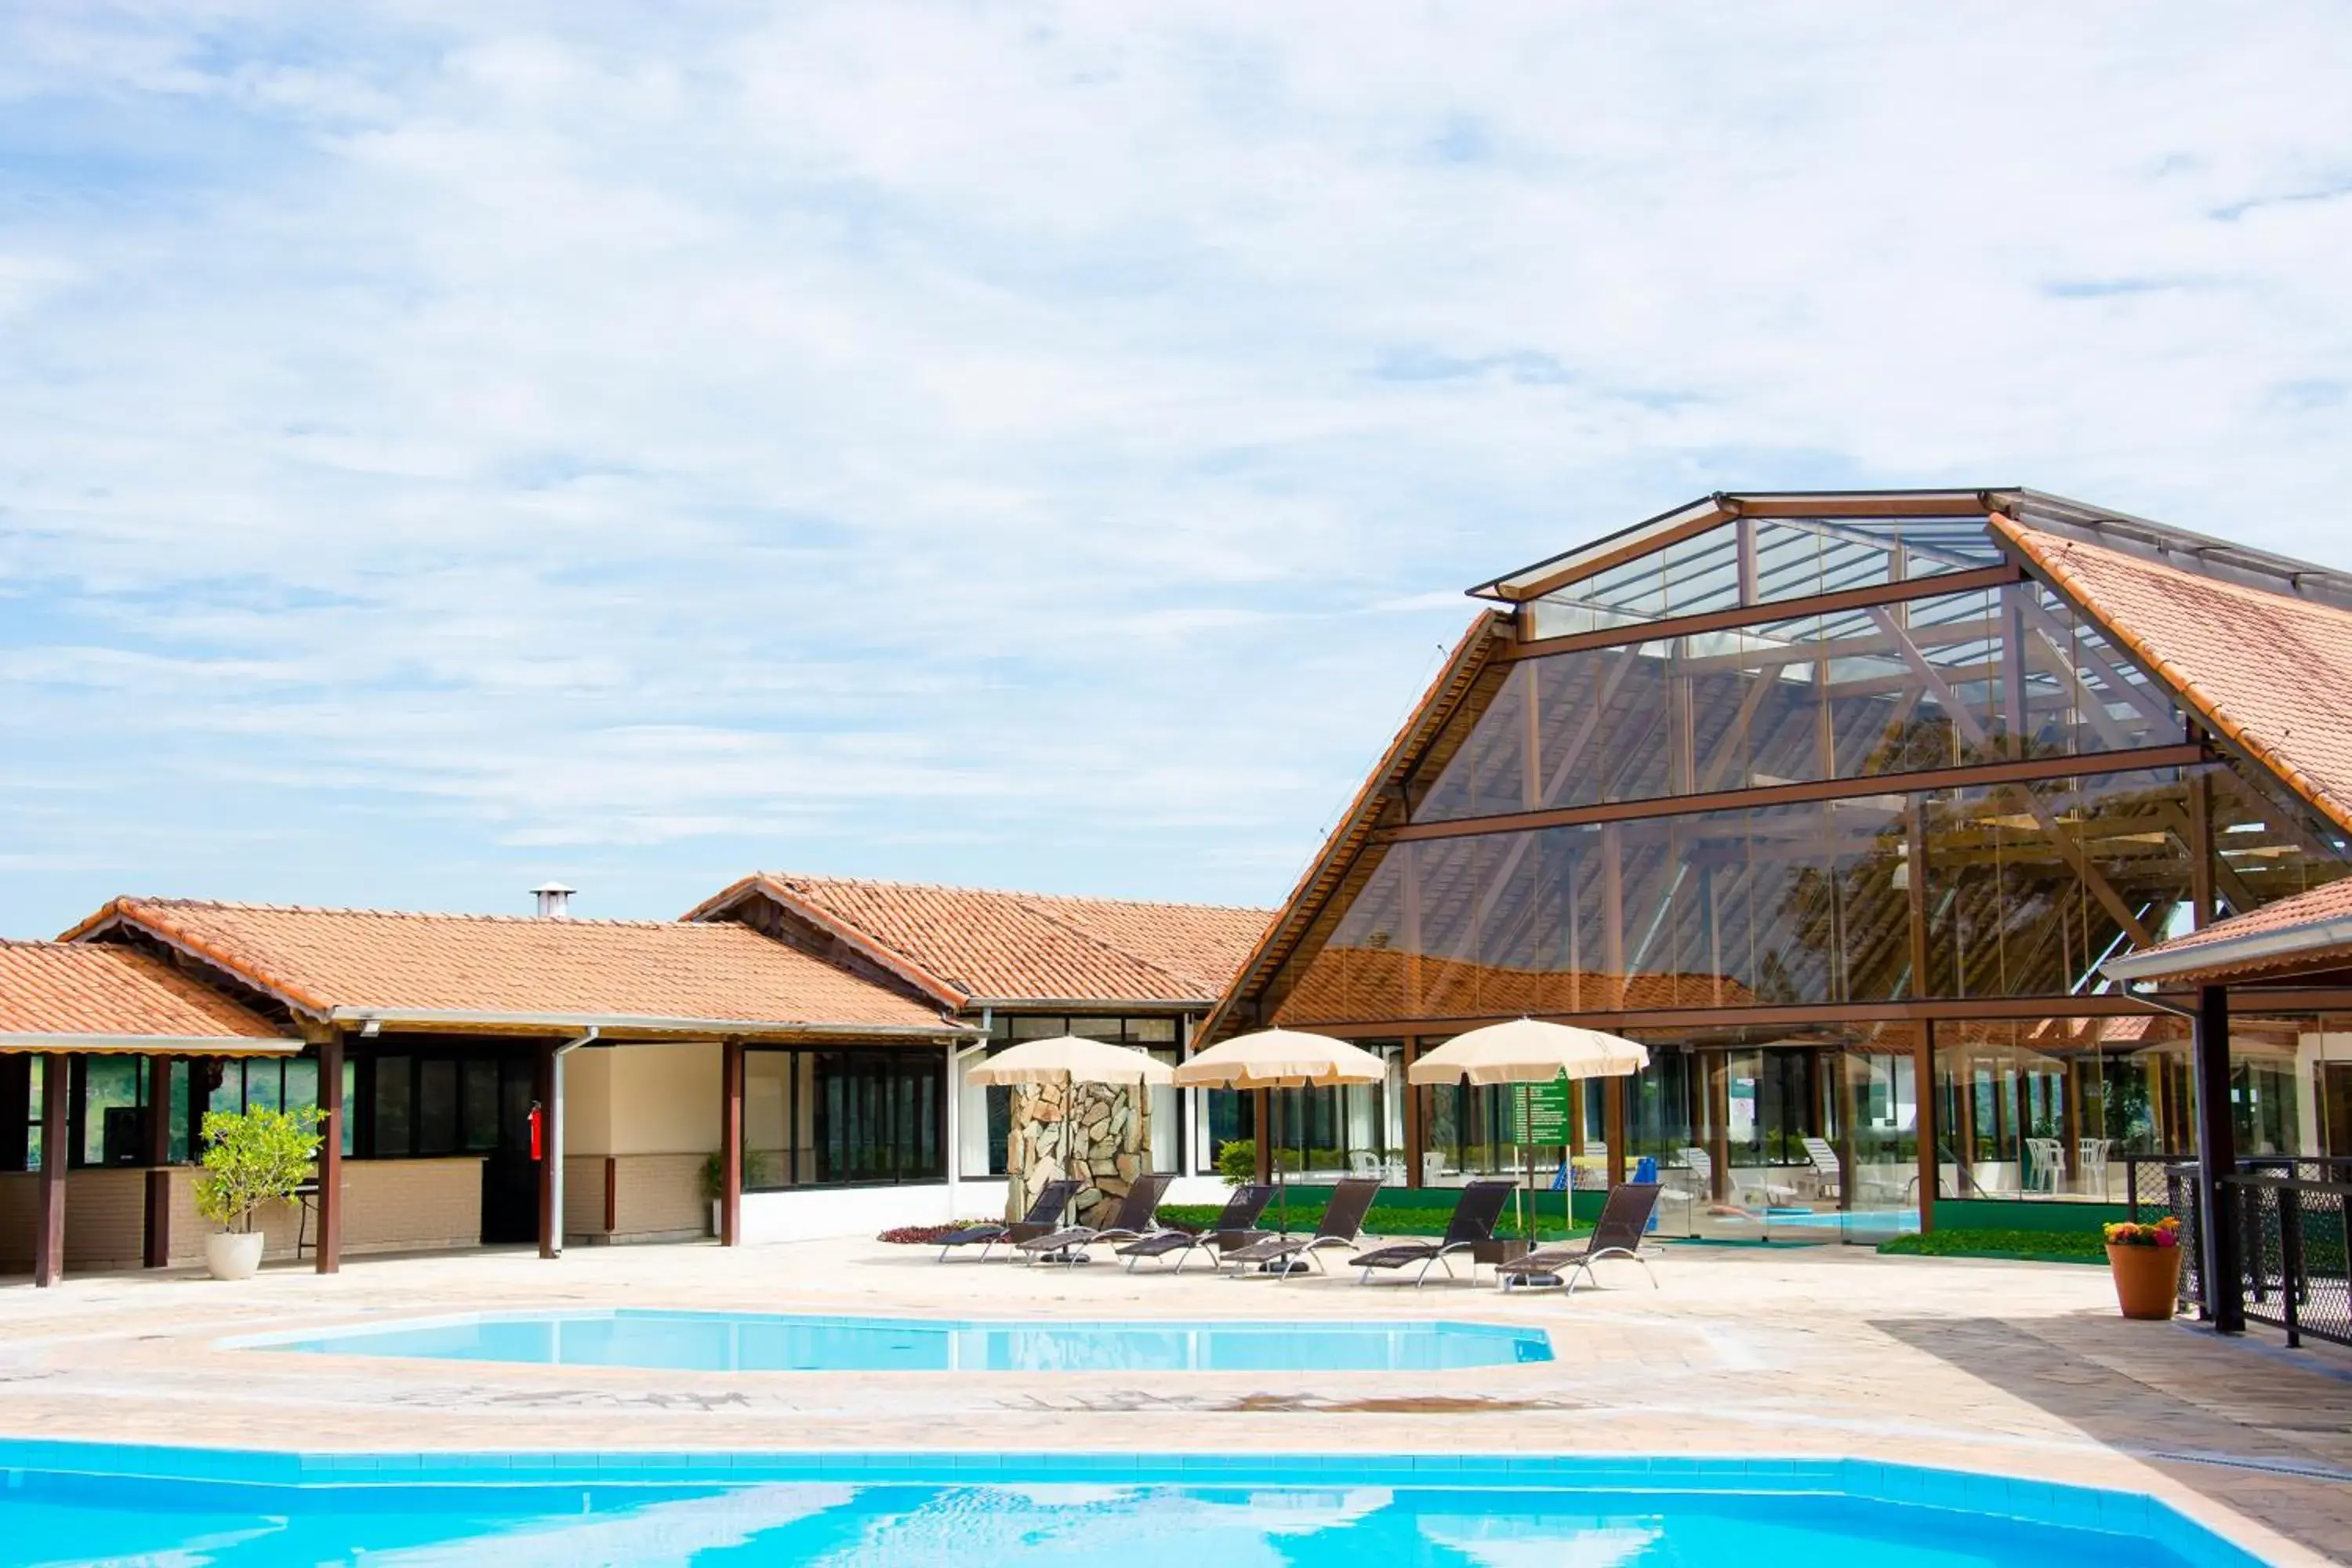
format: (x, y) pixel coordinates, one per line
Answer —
(65, 1503)
(771, 1341)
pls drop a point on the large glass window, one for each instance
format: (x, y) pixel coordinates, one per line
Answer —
(846, 1118)
(2025, 889)
(1940, 682)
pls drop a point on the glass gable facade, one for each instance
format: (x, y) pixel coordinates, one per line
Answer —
(1725, 841)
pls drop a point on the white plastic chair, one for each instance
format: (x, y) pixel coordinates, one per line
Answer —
(2045, 1160)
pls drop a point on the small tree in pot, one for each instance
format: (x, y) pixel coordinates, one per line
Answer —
(251, 1158)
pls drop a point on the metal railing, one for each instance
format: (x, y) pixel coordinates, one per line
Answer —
(2291, 1218)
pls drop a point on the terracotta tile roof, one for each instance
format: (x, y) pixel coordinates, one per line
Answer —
(2268, 670)
(60, 988)
(1469, 663)
(2177, 962)
(970, 944)
(499, 967)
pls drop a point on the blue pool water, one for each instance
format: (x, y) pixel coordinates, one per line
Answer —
(69, 1504)
(767, 1342)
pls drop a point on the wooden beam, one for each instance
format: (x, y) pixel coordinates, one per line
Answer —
(1639, 540)
(157, 1126)
(1416, 1129)
(730, 1144)
(1863, 504)
(1777, 610)
(1971, 776)
(1614, 1121)
(49, 1201)
(332, 1114)
(1923, 1121)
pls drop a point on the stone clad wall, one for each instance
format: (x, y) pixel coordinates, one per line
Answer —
(1108, 1135)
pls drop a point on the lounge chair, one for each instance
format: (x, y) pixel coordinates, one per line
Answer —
(1235, 1227)
(1624, 1220)
(1044, 1214)
(1342, 1223)
(1133, 1219)
(1474, 1213)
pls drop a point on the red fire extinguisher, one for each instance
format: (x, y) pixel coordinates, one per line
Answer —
(538, 1126)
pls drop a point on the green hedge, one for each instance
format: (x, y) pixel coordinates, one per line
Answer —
(1386, 1218)
(2061, 1215)
(2032, 1246)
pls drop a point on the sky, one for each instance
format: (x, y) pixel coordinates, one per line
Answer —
(446, 448)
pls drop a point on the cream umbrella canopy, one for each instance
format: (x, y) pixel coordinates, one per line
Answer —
(1528, 1051)
(1070, 1060)
(1281, 1058)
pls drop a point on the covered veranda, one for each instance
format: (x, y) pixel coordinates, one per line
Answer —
(101, 1191)
(2269, 1229)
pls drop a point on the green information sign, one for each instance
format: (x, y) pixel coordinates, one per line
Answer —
(1544, 1121)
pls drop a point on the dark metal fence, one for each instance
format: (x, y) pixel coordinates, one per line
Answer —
(2291, 1218)
(2145, 1185)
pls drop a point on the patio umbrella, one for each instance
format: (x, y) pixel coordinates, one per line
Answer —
(1070, 1060)
(1281, 1058)
(1528, 1051)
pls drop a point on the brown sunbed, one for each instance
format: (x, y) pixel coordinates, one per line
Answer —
(1234, 1227)
(1474, 1213)
(1624, 1220)
(1044, 1214)
(1133, 1219)
(1342, 1223)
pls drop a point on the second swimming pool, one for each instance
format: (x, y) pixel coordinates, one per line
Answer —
(767, 1342)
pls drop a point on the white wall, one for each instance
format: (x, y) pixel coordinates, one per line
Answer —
(810, 1213)
(665, 1098)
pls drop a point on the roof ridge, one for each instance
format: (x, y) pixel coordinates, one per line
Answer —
(1084, 935)
(788, 878)
(243, 906)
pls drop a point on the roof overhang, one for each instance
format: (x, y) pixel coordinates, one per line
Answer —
(2317, 945)
(609, 1025)
(49, 1044)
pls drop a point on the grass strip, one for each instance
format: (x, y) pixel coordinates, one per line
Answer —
(2022, 1246)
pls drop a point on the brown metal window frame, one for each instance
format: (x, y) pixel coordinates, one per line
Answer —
(1771, 611)
(2086, 764)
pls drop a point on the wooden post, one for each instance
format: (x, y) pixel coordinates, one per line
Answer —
(1615, 1113)
(1843, 1064)
(332, 1111)
(157, 1125)
(731, 1145)
(49, 1206)
(1922, 1120)
(1718, 1125)
(2217, 1156)
(543, 1091)
(1416, 1125)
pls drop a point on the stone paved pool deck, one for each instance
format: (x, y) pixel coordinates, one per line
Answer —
(2002, 1369)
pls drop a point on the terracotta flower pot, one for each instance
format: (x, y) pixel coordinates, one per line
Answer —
(2147, 1280)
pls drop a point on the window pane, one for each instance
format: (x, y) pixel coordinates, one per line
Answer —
(436, 1106)
(301, 1083)
(481, 1103)
(110, 1114)
(1036, 1028)
(391, 1097)
(767, 1143)
(264, 1084)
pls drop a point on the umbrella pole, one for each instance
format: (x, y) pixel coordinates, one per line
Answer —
(1528, 1160)
(1281, 1185)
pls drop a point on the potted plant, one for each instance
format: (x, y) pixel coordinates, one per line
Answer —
(251, 1158)
(758, 1173)
(2146, 1262)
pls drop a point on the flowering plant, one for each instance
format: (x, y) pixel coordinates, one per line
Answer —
(2165, 1232)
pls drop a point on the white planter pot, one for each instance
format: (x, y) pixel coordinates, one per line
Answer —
(234, 1254)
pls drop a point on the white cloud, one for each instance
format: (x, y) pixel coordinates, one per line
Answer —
(1027, 444)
